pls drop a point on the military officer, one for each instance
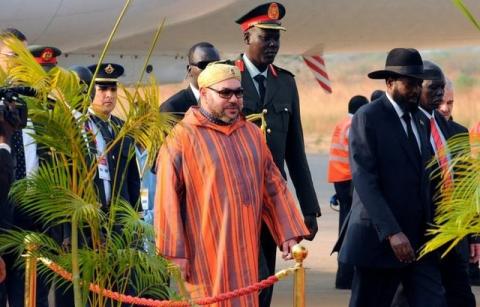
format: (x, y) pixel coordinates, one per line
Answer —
(272, 90)
(46, 56)
(110, 183)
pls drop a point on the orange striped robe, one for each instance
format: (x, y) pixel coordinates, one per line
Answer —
(215, 185)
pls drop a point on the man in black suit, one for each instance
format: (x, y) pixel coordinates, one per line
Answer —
(446, 108)
(199, 56)
(271, 90)
(391, 203)
(104, 126)
(26, 155)
(6, 180)
(454, 266)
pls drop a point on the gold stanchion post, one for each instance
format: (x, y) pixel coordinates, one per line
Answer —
(299, 253)
(30, 274)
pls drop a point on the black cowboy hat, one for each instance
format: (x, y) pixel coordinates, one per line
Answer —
(403, 62)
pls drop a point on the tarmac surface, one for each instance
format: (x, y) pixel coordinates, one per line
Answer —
(321, 266)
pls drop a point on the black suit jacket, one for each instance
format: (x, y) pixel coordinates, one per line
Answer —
(391, 187)
(125, 179)
(284, 129)
(6, 179)
(180, 102)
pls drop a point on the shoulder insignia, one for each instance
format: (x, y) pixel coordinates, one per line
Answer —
(273, 70)
(241, 66)
(277, 70)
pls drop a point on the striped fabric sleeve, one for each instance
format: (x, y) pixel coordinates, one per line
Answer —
(169, 229)
(280, 211)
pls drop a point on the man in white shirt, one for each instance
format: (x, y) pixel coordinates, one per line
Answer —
(454, 266)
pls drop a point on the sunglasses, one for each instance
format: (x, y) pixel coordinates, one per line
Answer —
(227, 93)
(201, 65)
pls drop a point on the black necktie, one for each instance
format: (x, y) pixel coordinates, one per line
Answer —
(104, 128)
(411, 137)
(261, 87)
(19, 154)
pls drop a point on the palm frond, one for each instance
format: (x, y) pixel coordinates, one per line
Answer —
(458, 205)
(465, 11)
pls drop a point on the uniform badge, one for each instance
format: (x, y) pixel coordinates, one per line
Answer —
(47, 54)
(109, 69)
(273, 12)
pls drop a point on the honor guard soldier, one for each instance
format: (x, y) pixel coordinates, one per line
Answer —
(104, 126)
(46, 56)
(272, 90)
(110, 183)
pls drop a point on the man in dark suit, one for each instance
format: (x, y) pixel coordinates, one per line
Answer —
(272, 90)
(26, 155)
(391, 203)
(104, 126)
(6, 180)
(446, 108)
(199, 56)
(454, 266)
(117, 175)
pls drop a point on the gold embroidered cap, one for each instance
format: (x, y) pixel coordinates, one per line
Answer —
(217, 72)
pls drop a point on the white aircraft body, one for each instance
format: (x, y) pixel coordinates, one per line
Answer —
(80, 28)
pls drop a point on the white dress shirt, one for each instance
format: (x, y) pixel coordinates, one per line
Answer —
(442, 137)
(101, 146)
(195, 91)
(253, 71)
(400, 113)
(30, 147)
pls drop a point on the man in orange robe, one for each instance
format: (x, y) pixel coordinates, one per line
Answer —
(216, 183)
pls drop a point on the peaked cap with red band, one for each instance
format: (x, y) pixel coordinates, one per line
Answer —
(264, 16)
(45, 55)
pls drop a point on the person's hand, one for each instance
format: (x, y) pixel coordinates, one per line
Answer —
(402, 248)
(3, 270)
(474, 252)
(183, 266)
(311, 223)
(287, 249)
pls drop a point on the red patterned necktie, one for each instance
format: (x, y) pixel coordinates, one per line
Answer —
(441, 153)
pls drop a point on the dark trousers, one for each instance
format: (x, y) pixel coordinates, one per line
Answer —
(268, 254)
(343, 190)
(13, 287)
(454, 270)
(454, 273)
(375, 287)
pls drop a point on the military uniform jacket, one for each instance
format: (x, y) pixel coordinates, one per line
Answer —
(284, 129)
(121, 163)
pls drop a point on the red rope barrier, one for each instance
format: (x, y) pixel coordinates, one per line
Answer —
(268, 282)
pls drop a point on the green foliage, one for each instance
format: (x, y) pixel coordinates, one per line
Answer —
(464, 9)
(458, 206)
(109, 249)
